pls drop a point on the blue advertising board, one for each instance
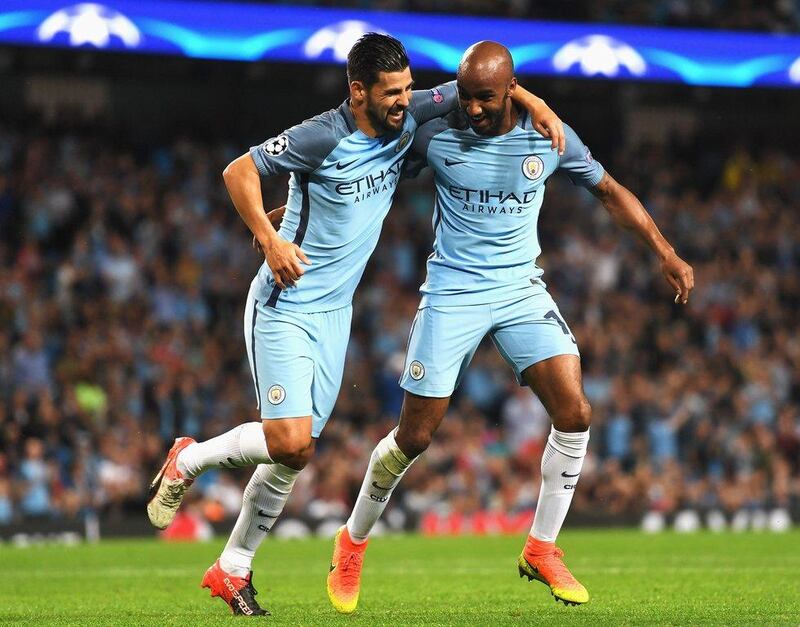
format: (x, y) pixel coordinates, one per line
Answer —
(250, 32)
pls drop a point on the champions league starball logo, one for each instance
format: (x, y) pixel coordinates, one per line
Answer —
(339, 38)
(794, 71)
(92, 24)
(599, 54)
(276, 146)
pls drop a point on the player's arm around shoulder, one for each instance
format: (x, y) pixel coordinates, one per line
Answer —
(629, 213)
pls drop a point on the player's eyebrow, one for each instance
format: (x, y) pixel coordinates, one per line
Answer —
(397, 90)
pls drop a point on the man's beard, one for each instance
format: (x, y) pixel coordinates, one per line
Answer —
(495, 119)
(381, 124)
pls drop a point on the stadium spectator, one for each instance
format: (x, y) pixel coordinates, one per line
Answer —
(121, 275)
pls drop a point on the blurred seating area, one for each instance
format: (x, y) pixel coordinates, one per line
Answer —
(757, 15)
(123, 276)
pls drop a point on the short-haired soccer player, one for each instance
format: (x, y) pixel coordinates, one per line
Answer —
(490, 168)
(344, 166)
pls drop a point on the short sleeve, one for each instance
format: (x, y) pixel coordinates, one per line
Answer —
(429, 104)
(302, 148)
(578, 162)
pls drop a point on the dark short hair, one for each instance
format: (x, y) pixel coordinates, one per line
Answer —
(373, 53)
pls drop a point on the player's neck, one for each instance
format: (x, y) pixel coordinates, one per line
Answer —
(362, 121)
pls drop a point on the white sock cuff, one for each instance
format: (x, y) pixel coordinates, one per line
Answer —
(569, 444)
(281, 478)
(391, 457)
(253, 444)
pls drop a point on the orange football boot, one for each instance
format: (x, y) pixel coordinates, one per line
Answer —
(168, 487)
(542, 561)
(237, 592)
(344, 577)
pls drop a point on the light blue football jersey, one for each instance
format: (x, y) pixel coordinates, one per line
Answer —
(341, 186)
(488, 194)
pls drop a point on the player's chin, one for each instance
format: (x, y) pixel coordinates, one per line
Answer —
(394, 121)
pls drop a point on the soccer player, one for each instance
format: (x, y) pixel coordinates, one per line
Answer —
(344, 166)
(490, 169)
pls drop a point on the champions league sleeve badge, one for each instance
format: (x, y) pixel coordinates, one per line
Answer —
(276, 146)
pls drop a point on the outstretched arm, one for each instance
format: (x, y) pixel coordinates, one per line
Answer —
(628, 212)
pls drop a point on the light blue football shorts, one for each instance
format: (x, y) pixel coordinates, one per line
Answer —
(296, 359)
(444, 339)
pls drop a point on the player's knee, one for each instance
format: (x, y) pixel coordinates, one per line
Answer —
(289, 443)
(413, 442)
(295, 454)
(574, 417)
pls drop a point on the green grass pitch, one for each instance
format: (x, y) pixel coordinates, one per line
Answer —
(634, 579)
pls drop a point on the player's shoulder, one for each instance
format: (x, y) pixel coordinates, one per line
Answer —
(324, 131)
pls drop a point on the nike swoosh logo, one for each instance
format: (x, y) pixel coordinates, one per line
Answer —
(380, 487)
(231, 462)
(332, 568)
(564, 474)
(448, 162)
(342, 166)
(264, 514)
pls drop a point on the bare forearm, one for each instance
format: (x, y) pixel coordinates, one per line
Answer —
(626, 211)
(244, 187)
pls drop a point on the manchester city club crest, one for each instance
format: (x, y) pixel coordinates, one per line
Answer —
(403, 141)
(276, 394)
(533, 167)
(416, 370)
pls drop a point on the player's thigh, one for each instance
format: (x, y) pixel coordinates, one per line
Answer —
(531, 330)
(281, 358)
(558, 384)
(331, 334)
(441, 344)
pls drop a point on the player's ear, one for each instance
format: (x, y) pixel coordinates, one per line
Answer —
(512, 86)
(358, 91)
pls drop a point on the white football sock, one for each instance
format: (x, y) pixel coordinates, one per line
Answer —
(244, 445)
(264, 498)
(387, 465)
(561, 466)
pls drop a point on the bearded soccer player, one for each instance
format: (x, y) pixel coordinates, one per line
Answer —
(490, 168)
(344, 165)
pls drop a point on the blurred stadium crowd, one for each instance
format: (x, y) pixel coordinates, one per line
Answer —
(123, 275)
(759, 15)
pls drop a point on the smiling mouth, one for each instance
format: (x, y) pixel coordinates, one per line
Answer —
(395, 116)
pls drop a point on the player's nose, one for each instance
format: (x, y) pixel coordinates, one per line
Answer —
(473, 109)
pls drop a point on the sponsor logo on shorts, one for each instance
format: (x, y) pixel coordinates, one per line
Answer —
(416, 370)
(276, 394)
(533, 167)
